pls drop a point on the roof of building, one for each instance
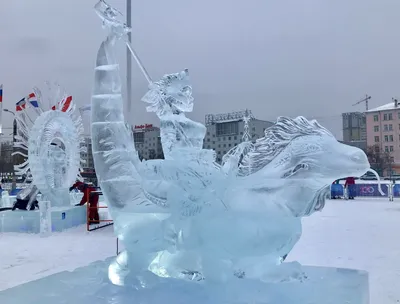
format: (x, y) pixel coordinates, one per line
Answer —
(386, 107)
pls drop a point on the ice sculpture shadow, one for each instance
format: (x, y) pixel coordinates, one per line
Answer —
(187, 217)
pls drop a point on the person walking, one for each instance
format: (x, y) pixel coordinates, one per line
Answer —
(350, 185)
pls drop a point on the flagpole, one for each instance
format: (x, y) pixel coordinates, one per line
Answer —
(128, 56)
(1, 109)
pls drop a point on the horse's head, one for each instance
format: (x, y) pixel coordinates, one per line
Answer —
(173, 93)
(304, 158)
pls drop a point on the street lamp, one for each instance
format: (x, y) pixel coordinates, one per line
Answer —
(14, 180)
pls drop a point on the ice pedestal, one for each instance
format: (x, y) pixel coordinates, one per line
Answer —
(45, 218)
(90, 285)
(5, 199)
(29, 221)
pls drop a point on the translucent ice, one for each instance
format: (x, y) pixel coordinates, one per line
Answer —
(186, 216)
(50, 141)
(45, 218)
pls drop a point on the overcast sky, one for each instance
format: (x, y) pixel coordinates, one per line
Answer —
(275, 57)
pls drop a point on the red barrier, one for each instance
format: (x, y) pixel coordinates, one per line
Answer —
(88, 208)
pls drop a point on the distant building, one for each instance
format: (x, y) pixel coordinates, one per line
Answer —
(147, 141)
(383, 131)
(88, 173)
(87, 155)
(224, 131)
(354, 127)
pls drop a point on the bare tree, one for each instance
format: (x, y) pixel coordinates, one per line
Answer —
(380, 161)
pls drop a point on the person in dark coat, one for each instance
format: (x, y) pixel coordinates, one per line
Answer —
(350, 184)
(94, 217)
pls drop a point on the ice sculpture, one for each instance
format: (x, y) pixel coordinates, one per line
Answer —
(234, 156)
(45, 218)
(50, 141)
(204, 220)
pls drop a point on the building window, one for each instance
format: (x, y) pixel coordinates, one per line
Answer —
(213, 142)
(391, 149)
(386, 149)
(376, 117)
(385, 128)
(385, 117)
(234, 137)
(208, 139)
(377, 148)
(390, 137)
(227, 128)
(224, 145)
(376, 128)
(138, 137)
(229, 138)
(390, 116)
(386, 138)
(390, 127)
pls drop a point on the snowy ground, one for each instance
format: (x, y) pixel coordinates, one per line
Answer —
(361, 234)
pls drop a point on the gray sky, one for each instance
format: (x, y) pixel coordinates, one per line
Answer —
(275, 57)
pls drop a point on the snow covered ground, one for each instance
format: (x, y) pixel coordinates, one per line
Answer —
(361, 234)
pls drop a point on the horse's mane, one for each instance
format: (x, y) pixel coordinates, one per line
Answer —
(276, 139)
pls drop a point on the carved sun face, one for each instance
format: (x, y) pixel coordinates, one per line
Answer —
(50, 140)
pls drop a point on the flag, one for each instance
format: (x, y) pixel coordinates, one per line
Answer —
(65, 103)
(33, 100)
(20, 105)
(1, 93)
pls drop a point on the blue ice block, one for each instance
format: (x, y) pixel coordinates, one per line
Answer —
(90, 285)
(29, 222)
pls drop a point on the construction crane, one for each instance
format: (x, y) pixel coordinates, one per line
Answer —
(364, 100)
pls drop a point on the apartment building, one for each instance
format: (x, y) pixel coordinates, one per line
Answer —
(147, 141)
(383, 130)
(86, 154)
(225, 131)
(354, 126)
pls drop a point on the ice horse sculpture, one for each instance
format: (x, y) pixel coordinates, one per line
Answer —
(50, 140)
(186, 214)
(188, 218)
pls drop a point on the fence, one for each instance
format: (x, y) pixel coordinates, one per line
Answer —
(89, 226)
(366, 190)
